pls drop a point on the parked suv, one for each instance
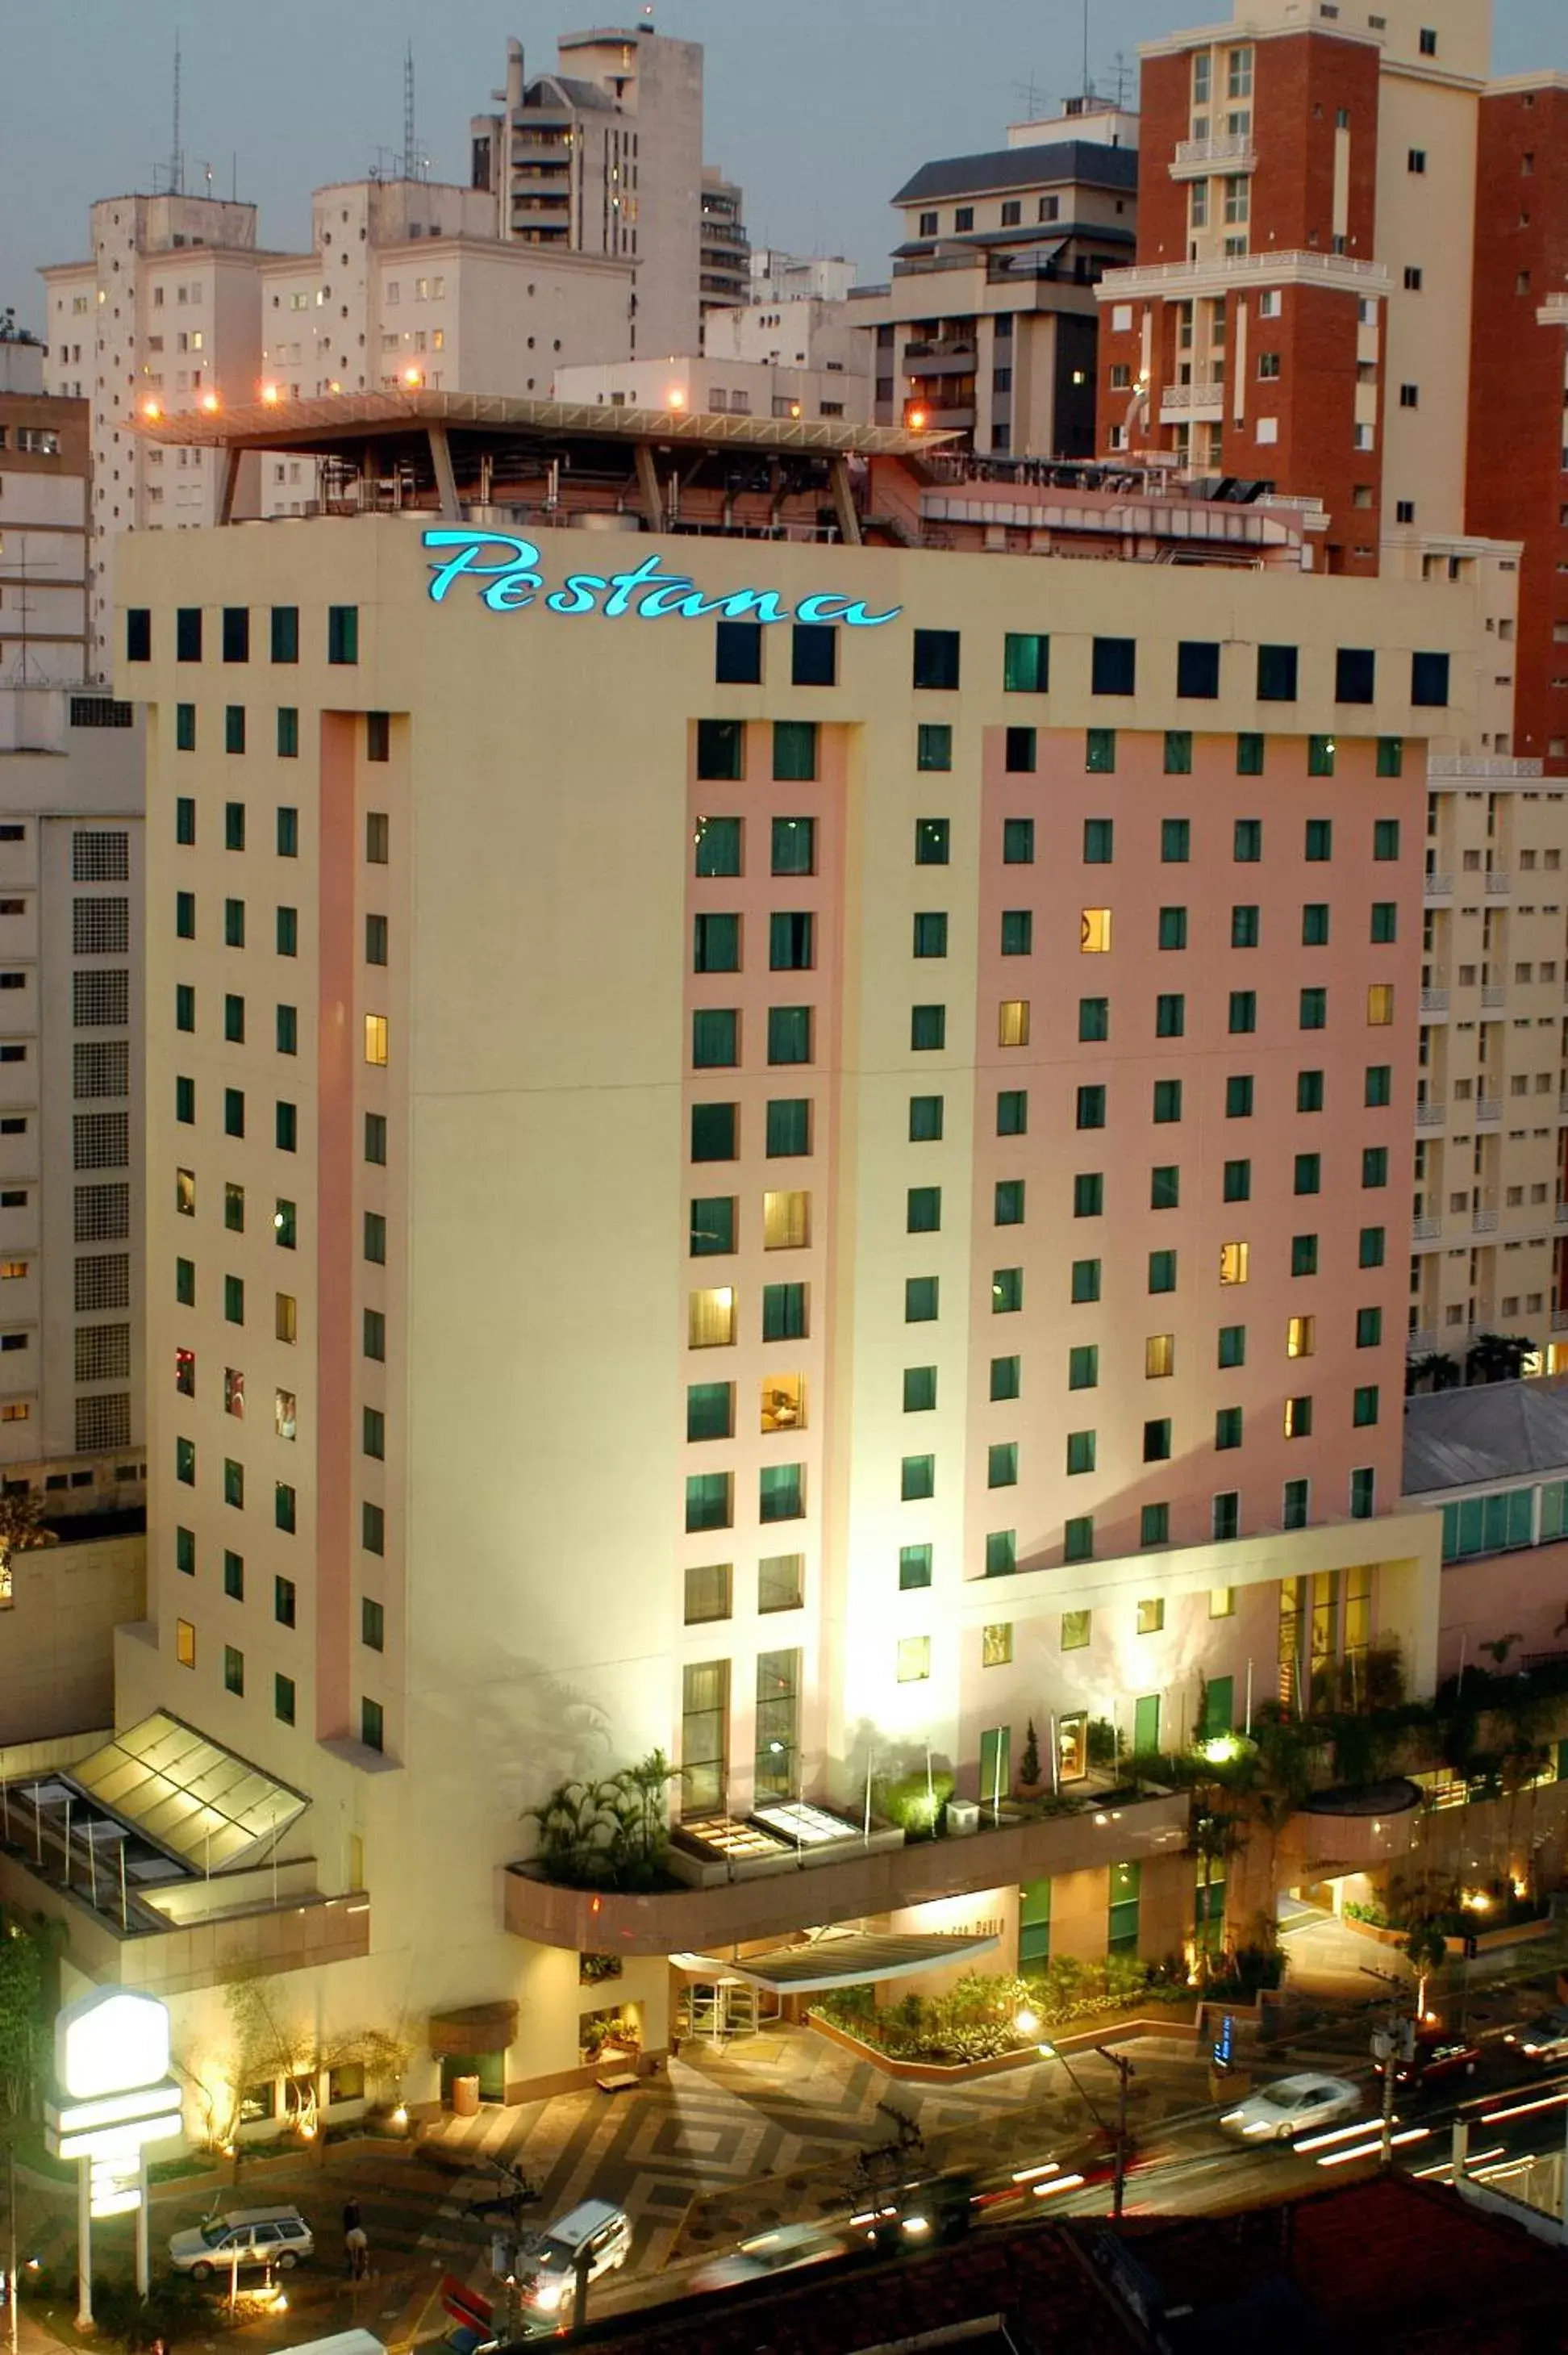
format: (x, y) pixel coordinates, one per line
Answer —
(252, 2236)
(606, 2233)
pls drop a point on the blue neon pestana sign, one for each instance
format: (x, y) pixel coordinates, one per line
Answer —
(504, 570)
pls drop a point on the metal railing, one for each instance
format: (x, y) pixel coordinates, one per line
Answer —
(1559, 1320)
(1434, 1001)
(1443, 765)
(1426, 1231)
(1493, 994)
(1500, 882)
(1433, 1113)
(1204, 392)
(1437, 886)
(1232, 147)
(1119, 285)
(1489, 1109)
(1483, 1223)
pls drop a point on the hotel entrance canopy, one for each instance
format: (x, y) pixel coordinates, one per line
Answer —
(848, 1961)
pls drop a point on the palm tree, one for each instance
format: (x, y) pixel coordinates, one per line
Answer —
(1498, 1356)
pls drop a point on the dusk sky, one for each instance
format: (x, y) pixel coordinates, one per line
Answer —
(820, 108)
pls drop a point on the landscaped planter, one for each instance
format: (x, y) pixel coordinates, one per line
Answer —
(1481, 1942)
(925, 2073)
(960, 2072)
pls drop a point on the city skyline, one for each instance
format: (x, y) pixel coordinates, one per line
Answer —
(234, 72)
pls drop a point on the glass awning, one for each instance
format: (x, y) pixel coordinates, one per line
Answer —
(196, 1800)
(806, 1968)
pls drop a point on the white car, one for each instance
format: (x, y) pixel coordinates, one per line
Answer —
(594, 2226)
(779, 2251)
(1291, 2106)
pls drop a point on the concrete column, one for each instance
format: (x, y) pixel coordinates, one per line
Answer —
(83, 2244)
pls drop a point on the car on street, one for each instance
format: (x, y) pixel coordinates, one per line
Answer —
(1440, 2053)
(1292, 2106)
(779, 2251)
(592, 2228)
(249, 2236)
(1544, 2038)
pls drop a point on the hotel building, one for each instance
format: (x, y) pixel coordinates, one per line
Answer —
(806, 1191)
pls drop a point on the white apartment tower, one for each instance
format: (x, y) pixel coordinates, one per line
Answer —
(165, 309)
(605, 155)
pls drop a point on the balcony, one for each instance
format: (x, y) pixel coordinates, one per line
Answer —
(1421, 1341)
(1436, 889)
(1232, 151)
(1559, 1214)
(1554, 312)
(1493, 994)
(942, 355)
(1445, 768)
(1559, 1320)
(1433, 1113)
(1483, 1223)
(1203, 399)
(797, 1893)
(1499, 883)
(1222, 271)
(1489, 1110)
(1426, 1231)
(1434, 1001)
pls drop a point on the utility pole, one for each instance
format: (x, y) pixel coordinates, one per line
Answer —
(1390, 2046)
(1124, 2071)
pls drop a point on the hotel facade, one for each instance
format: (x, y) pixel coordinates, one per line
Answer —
(790, 1150)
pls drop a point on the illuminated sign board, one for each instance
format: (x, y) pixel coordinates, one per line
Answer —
(112, 2062)
(505, 571)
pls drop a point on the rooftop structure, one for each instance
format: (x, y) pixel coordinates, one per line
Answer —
(989, 324)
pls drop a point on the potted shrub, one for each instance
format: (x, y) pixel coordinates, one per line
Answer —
(1029, 1785)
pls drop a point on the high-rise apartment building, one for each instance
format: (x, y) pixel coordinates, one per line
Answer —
(725, 247)
(165, 309)
(988, 326)
(43, 493)
(604, 155)
(1352, 284)
(72, 1018)
(865, 1213)
(71, 996)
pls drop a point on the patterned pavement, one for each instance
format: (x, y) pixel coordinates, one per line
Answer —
(720, 2144)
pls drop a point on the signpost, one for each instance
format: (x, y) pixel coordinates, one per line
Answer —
(112, 2096)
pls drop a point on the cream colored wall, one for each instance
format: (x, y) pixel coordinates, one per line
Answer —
(56, 1636)
(1485, 1237)
(1426, 220)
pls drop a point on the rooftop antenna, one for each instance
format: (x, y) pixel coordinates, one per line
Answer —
(1088, 86)
(411, 159)
(1032, 97)
(176, 154)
